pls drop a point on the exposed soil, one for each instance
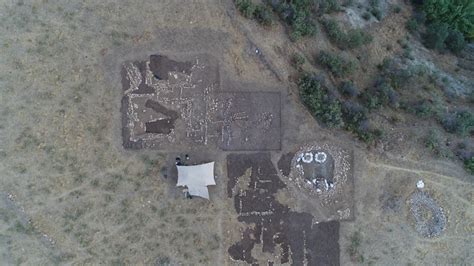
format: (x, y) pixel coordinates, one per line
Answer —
(161, 126)
(275, 225)
(161, 66)
(284, 163)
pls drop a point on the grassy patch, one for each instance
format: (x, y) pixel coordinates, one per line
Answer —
(354, 246)
(434, 143)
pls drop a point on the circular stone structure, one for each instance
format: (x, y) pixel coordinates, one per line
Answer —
(429, 218)
(320, 157)
(319, 169)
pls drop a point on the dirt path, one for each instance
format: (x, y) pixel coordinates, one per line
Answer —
(420, 172)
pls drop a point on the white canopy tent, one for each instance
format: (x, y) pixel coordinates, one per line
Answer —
(196, 178)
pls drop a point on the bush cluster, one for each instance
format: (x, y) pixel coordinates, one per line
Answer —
(261, 13)
(449, 23)
(439, 36)
(324, 106)
(375, 9)
(422, 108)
(329, 6)
(457, 14)
(352, 39)
(348, 89)
(460, 122)
(337, 65)
(412, 25)
(356, 121)
(298, 60)
(327, 108)
(395, 74)
(469, 165)
(297, 14)
(246, 7)
(382, 94)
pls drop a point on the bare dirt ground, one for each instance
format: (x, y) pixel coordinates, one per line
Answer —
(71, 194)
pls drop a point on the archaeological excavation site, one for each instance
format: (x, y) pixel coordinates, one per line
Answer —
(237, 132)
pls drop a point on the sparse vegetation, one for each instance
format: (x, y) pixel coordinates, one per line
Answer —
(353, 249)
(434, 143)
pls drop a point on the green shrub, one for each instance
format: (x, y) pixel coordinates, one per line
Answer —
(436, 35)
(366, 16)
(325, 108)
(337, 65)
(455, 41)
(386, 94)
(357, 37)
(397, 9)
(460, 122)
(457, 14)
(412, 25)
(302, 26)
(347, 3)
(348, 89)
(370, 100)
(297, 14)
(376, 13)
(469, 165)
(423, 109)
(356, 121)
(333, 31)
(353, 249)
(375, 9)
(263, 15)
(246, 7)
(354, 116)
(298, 60)
(395, 74)
(381, 95)
(352, 39)
(329, 6)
